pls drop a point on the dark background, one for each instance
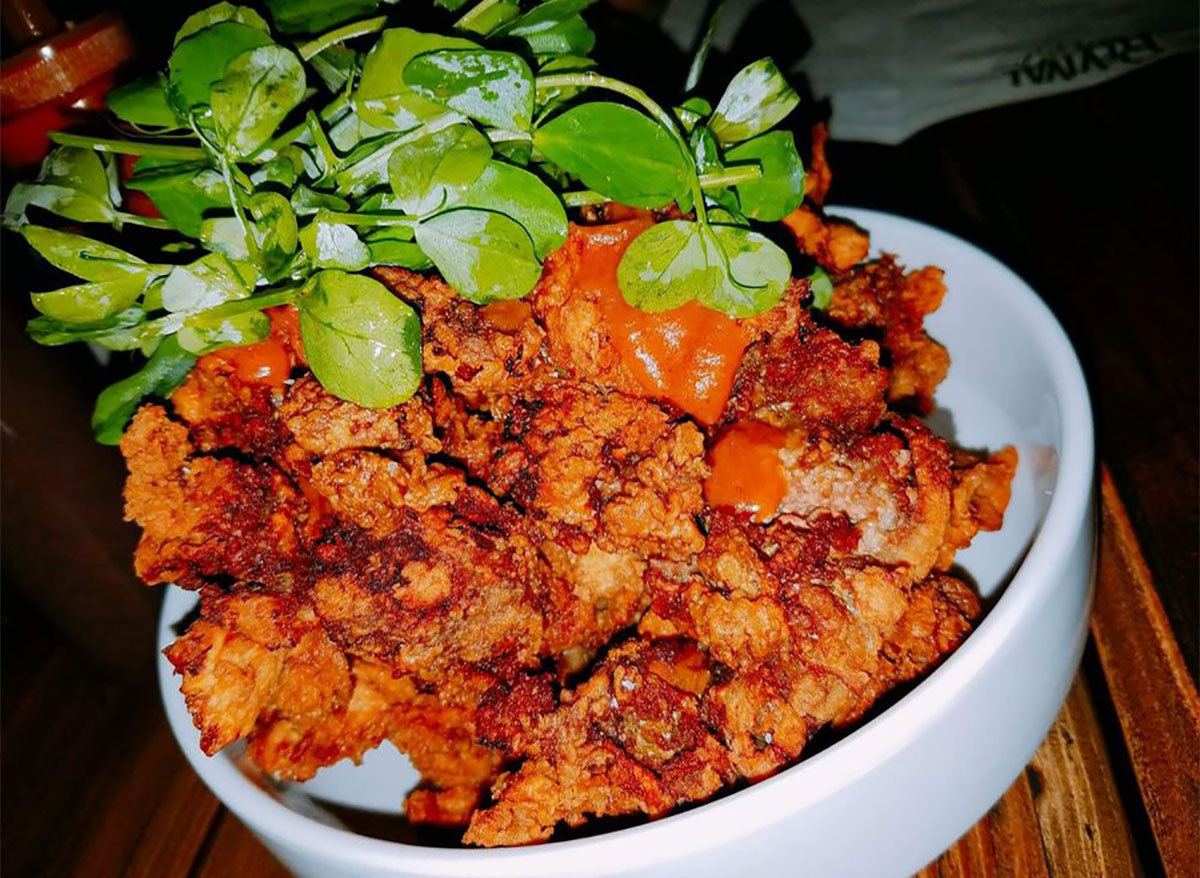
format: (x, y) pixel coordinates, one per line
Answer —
(1090, 196)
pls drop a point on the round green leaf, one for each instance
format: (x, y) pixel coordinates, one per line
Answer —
(216, 14)
(362, 343)
(618, 152)
(495, 88)
(201, 59)
(755, 273)
(143, 102)
(91, 302)
(382, 98)
(756, 100)
(259, 88)
(667, 265)
(522, 196)
(88, 259)
(780, 189)
(426, 170)
(485, 256)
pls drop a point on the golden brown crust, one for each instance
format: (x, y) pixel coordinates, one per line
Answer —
(514, 577)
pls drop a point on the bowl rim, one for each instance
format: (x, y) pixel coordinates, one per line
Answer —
(771, 800)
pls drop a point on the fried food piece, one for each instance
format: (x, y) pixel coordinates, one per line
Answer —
(485, 352)
(880, 295)
(589, 466)
(800, 376)
(835, 245)
(253, 653)
(204, 517)
(321, 424)
(444, 587)
(228, 399)
(630, 740)
(981, 490)
(818, 176)
(893, 486)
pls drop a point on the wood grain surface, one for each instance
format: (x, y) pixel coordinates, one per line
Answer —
(1091, 196)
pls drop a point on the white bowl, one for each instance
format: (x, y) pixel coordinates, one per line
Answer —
(889, 797)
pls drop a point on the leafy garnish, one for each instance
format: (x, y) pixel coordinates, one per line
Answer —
(458, 152)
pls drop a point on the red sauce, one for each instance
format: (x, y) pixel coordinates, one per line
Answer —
(266, 362)
(747, 473)
(285, 327)
(689, 355)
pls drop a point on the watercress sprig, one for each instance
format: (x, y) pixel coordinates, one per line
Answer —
(281, 170)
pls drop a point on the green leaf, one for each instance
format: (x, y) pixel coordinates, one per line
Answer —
(118, 332)
(259, 88)
(821, 288)
(306, 201)
(311, 16)
(163, 372)
(521, 196)
(73, 183)
(668, 265)
(143, 102)
(182, 191)
(428, 169)
(495, 88)
(335, 65)
(484, 256)
(200, 60)
(274, 228)
(362, 342)
(382, 98)
(757, 99)
(389, 246)
(216, 14)
(562, 64)
(87, 303)
(62, 200)
(618, 152)
(201, 334)
(553, 27)
(491, 18)
(331, 244)
(755, 276)
(692, 112)
(210, 280)
(88, 259)
(366, 166)
(780, 189)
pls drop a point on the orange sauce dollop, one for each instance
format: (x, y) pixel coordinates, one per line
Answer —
(268, 361)
(747, 473)
(688, 356)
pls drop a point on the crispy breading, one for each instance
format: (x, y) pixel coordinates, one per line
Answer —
(836, 245)
(202, 516)
(255, 653)
(630, 740)
(588, 465)
(798, 375)
(980, 494)
(486, 353)
(880, 295)
(514, 577)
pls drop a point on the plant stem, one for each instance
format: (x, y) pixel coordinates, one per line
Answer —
(717, 180)
(474, 13)
(370, 219)
(339, 35)
(588, 79)
(128, 147)
(254, 303)
(496, 135)
(132, 219)
(730, 176)
(272, 146)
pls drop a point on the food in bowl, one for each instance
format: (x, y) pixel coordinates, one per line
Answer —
(589, 518)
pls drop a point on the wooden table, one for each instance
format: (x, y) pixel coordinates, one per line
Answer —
(1091, 196)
